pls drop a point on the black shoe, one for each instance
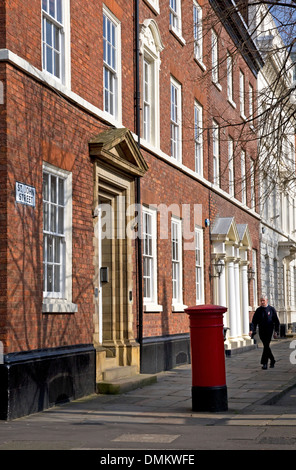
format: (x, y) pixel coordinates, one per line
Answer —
(272, 364)
(264, 367)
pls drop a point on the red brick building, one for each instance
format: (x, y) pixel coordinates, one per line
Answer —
(102, 115)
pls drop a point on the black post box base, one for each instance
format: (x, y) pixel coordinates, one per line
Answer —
(209, 398)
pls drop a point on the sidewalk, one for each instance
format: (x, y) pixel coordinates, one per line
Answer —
(159, 416)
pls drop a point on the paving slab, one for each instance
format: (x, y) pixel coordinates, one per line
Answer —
(261, 413)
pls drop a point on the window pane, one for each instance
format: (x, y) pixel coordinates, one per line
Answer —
(53, 222)
(57, 65)
(44, 5)
(59, 11)
(45, 217)
(53, 192)
(52, 36)
(49, 278)
(53, 218)
(48, 33)
(49, 249)
(57, 280)
(52, 8)
(61, 192)
(57, 250)
(49, 66)
(44, 279)
(57, 39)
(61, 220)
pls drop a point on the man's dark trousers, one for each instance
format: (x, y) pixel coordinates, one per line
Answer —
(267, 354)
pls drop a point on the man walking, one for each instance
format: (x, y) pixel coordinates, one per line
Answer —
(267, 320)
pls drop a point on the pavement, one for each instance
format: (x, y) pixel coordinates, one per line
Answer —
(261, 414)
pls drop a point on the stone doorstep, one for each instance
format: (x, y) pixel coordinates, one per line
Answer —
(125, 384)
(119, 372)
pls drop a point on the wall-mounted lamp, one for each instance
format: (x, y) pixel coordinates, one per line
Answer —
(251, 274)
(218, 268)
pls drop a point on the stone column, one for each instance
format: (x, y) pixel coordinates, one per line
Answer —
(231, 298)
(245, 299)
(237, 298)
(222, 286)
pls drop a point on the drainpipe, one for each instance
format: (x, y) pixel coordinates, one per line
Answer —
(138, 179)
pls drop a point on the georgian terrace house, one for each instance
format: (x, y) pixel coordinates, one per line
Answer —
(119, 191)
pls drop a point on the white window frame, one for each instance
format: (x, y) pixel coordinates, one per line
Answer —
(231, 165)
(198, 138)
(199, 266)
(154, 5)
(61, 301)
(216, 154)
(176, 119)
(175, 17)
(230, 78)
(177, 264)
(149, 235)
(112, 69)
(242, 94)
(150, 48)
(62, 25)
(147, 99)
(252, 183)
(243, 178)
(251, 105)
(215, 59)
(197, 32)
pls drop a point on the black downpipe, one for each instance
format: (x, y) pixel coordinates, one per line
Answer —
(138, 190)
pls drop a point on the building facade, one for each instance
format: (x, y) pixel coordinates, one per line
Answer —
(277, 167)
(126, 190)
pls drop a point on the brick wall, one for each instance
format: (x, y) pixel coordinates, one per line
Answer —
(43, 126)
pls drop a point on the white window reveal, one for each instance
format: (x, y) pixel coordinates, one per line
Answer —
(52, 39)
(197, 32)
(150, 260)
(177, 284)
(252, 184)
(56, 39)
(53, 235)
(57, 240)
(176, 129)
(175, 16)
(198, 138)
(154, 5)
(242, 94)
(243, 177)
(230, 78)
(147, 102)
(150, 48)
(231, 166)
(112, 65)
(215, 58)
(199, 271)
(216, 157)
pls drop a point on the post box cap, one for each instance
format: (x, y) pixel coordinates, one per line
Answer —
(209, 308)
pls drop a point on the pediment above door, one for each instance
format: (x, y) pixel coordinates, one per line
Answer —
(118, 149)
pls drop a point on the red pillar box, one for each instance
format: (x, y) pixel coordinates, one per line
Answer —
(209, 391)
